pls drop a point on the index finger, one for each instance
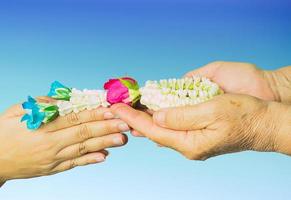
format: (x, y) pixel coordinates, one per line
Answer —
(143, 123)
(74, 119)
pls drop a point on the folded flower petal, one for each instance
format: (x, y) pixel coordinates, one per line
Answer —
(38, 113)
(122, 90)
(59, 91)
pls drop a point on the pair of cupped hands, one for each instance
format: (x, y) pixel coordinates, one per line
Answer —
(242, 119)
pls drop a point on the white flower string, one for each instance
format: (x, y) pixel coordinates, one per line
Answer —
(155, 95)
(169, 93)
(81, 100)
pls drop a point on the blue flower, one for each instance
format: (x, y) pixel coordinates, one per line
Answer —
(59, 91)
(34, 117)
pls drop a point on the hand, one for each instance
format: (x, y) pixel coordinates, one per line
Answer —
(226, 124)
(239, 78)
(70, 141)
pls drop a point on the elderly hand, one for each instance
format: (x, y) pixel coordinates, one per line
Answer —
(226, 124)
(240, 78)
(70, 141)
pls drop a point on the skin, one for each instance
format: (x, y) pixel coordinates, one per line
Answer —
(228, 123)
(247, 78)
(68, 142)
(245, 119)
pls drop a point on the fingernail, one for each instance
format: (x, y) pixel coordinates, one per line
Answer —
(100, 158)
(135, 133)
(108, 115)
(105, 152)
(117, 141)
(123, 127)
(160, 118)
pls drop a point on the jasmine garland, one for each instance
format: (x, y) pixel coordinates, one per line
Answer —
(155, 95)
(178, 92)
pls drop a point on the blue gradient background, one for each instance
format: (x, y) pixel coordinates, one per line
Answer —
(83, 43)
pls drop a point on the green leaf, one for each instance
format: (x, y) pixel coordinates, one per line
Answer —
(63, 94)
(129, 84)
(51, 108)
(134, 95)
(50, 116)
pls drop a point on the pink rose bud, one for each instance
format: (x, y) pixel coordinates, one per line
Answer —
(122, 90)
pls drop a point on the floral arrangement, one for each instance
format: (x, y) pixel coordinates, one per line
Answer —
(38, 113)
(154, 95)
(161, 94)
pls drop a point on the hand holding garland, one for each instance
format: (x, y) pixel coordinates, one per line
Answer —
(247, 78)
(228, 123)
(197, 131)
(69, 141)
(71, 129)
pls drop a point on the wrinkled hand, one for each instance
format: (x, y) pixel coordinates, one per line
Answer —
(74, 140)
(239, 78)
(226, 124)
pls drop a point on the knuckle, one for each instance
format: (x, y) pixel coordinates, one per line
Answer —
(111, 126)
(49, 167)
(94, 115)
(217, 62)
(104, 144)
(108, 127)
(82, 149)
(42, 169)
(84, 132)
(54, 171)
(73, 119)
(72, 164)
(51, 157)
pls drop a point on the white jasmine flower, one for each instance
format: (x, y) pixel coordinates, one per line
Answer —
(82, 100)
(65, 107)
(178, 92)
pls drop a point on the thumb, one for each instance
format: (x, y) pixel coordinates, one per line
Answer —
(142, 122)
(185, 118)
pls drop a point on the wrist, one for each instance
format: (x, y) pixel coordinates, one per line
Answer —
(284, 131)
(280, 83)
(262, 127)
(272, 128)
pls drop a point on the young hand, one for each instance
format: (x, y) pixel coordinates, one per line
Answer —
(70, 141)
